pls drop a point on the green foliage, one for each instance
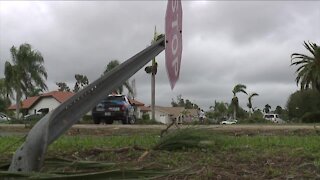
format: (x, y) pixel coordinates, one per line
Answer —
(86, 119)
(235, 101)
(146, 120)
(239, 88)
(278, 110)
(242, 114)
(3, 105)
(186, 139)
(267, 108)
(302, 102)
(249, 104)
(308, 72)
(111, 66)
(256, 118)
(24, 73)
(311, 117)
(81, 82)
(145, 116)
(180, 102)
(63, 87)
(218, 111)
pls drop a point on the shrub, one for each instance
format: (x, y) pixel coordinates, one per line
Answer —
(86, 119)
(311, 117)
(147, 121)
(145, 116)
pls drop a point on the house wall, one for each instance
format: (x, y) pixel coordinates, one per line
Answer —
(45, 102)
(162, 117)
(138, 112)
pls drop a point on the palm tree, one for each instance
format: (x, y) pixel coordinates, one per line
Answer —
(250, 102)
(267, 108)
(235, 102)
(308, 72)
(111, 65)
(25, 72)
(5, 92)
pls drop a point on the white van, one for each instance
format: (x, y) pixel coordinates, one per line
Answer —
(272, 117)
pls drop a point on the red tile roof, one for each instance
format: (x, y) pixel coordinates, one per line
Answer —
(30, 101)
(137, 103)
(144, 108)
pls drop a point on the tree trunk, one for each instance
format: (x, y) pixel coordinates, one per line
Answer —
(235, 112)
(18, 98)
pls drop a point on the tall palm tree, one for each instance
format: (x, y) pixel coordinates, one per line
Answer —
(235, 101)
(25, 72)
(308, 72)
(250, 102)
(5, 93)
(111, 65)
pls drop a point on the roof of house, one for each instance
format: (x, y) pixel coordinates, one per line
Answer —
(177, 111)
(30, 101)
(137, 103)
(174, 111)
(144, 108)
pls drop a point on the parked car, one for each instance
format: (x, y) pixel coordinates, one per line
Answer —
(4, 117)
(273, 117)
(230, 121)
(33, 116)
(114, 107)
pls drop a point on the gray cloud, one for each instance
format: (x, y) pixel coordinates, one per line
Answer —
(224, 43)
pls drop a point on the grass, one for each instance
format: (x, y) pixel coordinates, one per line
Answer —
(194, 153)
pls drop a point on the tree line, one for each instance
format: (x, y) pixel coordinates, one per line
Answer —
(26, 76)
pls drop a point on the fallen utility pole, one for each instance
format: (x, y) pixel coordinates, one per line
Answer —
(30, 155)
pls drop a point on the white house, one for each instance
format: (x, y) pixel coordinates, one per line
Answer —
(48, 101)
(43, 103)
(166, 114)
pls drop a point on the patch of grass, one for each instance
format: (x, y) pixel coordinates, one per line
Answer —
(76, 143)
(207, 153)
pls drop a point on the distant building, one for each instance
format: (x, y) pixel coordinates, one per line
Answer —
(43, 103)
(165, 114)
(47, 102)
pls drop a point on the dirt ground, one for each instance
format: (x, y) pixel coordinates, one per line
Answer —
(101, 129)
(231, 164)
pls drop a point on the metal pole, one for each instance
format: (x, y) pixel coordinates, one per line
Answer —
(153, 79)
(30, 155)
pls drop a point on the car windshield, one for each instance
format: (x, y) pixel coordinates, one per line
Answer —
(115, 98)
(269, 116)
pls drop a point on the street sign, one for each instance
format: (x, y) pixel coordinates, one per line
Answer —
(173, 40)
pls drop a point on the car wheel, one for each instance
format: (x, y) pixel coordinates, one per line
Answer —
(96, 120)
(132, 120)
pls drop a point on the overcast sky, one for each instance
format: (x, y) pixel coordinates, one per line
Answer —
(224, 43)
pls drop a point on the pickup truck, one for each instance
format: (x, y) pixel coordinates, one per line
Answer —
(114, 107)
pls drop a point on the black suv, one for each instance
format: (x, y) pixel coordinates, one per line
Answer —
(114, 107)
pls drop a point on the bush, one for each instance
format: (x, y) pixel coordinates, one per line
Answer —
(254, 120)
(311, 117)
(145, 116)
(86, 119)
(147, 121)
